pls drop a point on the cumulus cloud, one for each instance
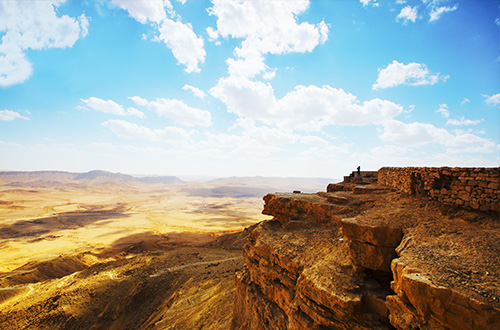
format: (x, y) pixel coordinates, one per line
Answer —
(177, 110)
(413, 134)
(266, 27)
(128, 130)
(306, 108)
(438, 11)
(144, 11)
(408, 14)
(413, 74)
(186, 46)
(419, 134)
(33, 25)
(246, 98)
(110, 107)
(493, 100)
(7, 115)
(196, 91)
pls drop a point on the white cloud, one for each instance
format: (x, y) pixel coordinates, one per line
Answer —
(314, 140)
(414, 134)
(463, 121)
(438, 11)
(33, 25)
(134, 112)
(196, 91)
(265, 134)
(408, 14)
(212, 34)
(144, 11)
(465, 101)
(443, 109)
(251, 99)
(265, 27)
(7, 115)
(365, 3)
(186, 46)
(177, 110)
(465, 142)
(413, 74)
(127, 130)
(410, 109)
(110, 107)
(419, 134)
(310, 108)
(306, 108)
(493, 100)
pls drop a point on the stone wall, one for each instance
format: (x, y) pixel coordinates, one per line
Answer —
(475, 188)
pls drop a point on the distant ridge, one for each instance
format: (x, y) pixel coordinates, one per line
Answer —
(160, 179)
(278, 183)
(37, 178)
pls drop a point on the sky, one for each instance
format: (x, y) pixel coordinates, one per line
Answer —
(248, 88)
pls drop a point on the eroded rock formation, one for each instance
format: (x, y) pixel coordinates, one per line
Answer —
(371, 260)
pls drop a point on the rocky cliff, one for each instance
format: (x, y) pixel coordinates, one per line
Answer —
(362, 256)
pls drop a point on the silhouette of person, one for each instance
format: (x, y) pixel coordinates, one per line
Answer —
(359, 170)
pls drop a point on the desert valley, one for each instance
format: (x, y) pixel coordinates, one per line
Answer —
(397, 248)
(103, 250)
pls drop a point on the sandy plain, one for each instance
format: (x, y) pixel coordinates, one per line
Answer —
(108, 252)
(43, 223)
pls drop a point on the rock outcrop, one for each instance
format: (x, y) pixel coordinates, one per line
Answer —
(372, 260)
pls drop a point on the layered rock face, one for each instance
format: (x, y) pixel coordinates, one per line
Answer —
(346, 260)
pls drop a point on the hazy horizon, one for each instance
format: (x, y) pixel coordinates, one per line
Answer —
(215, 88)
(186, 178)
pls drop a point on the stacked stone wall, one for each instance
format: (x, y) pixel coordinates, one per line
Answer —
(475, 188)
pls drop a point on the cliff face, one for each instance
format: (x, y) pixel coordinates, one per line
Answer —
(365, 257)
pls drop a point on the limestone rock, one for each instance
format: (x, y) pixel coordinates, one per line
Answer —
(311, 208)
(371, 245)
(348, 259)
(420, 302)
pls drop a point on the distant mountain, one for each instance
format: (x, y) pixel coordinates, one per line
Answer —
(160, 179)
(104, 175)
(38, 178)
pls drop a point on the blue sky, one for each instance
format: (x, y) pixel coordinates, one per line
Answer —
(244, 88)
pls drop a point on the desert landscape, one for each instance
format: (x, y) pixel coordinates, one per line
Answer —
(249, 165)
(398, 248)
(107, 250)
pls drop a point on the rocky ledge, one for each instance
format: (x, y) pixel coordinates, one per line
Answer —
(371, 260)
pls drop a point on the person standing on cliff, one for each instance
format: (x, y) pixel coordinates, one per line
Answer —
(359, 170)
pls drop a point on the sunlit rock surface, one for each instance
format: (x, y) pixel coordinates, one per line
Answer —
(376, 259)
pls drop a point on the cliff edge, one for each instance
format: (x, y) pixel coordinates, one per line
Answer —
(365, 255)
